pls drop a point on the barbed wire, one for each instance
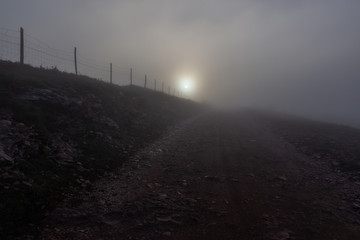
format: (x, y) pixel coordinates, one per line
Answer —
(40, 54)
(49, 54)
(40, 43)
(9, 30)
(8, 36)
(91, 63)
(122, 68)
(9, 44)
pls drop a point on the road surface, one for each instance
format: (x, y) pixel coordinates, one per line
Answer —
(217, 176)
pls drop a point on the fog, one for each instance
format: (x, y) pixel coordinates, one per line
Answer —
(297, 56)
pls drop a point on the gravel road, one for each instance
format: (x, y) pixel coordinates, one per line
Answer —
(220, 175)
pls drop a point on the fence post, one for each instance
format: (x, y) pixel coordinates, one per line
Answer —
(75, 61)
(21, 45)
(145, 81)
(111, 73)
(130, 76)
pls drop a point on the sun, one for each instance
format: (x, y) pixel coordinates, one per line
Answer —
(186, 84)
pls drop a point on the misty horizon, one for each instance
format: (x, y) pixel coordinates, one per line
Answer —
(298, 57)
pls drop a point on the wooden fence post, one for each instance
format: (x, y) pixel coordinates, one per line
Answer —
(130, 76)
(111, 73)
(21, 45)
(145, 81)
(75, 61)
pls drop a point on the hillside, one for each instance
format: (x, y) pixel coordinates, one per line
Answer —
(59, 132)
(337, 144)
(83, 159)
(245, 175)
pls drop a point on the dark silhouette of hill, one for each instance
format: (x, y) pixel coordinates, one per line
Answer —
(59, 132)
(338, 144)
(226, 175)
(252, 174)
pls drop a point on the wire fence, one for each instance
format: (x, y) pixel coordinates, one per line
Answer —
(9, 44)
(39, 54)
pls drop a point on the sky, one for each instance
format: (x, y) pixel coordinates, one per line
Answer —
(297, 56)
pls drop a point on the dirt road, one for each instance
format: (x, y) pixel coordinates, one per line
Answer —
(218, 176)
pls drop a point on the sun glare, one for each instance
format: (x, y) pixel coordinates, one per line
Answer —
(186, 84)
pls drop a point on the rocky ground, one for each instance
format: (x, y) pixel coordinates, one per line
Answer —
(60, 132)
(83, 159)
(224, 176)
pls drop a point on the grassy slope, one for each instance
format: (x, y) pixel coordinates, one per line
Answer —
(68, 130)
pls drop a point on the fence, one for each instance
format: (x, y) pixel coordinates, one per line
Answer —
(18, 46)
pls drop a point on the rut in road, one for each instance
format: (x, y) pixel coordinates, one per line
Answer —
(217, 176)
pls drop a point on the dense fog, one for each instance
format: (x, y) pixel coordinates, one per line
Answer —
(295, 56)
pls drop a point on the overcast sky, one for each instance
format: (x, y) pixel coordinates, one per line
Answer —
(295, 55)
